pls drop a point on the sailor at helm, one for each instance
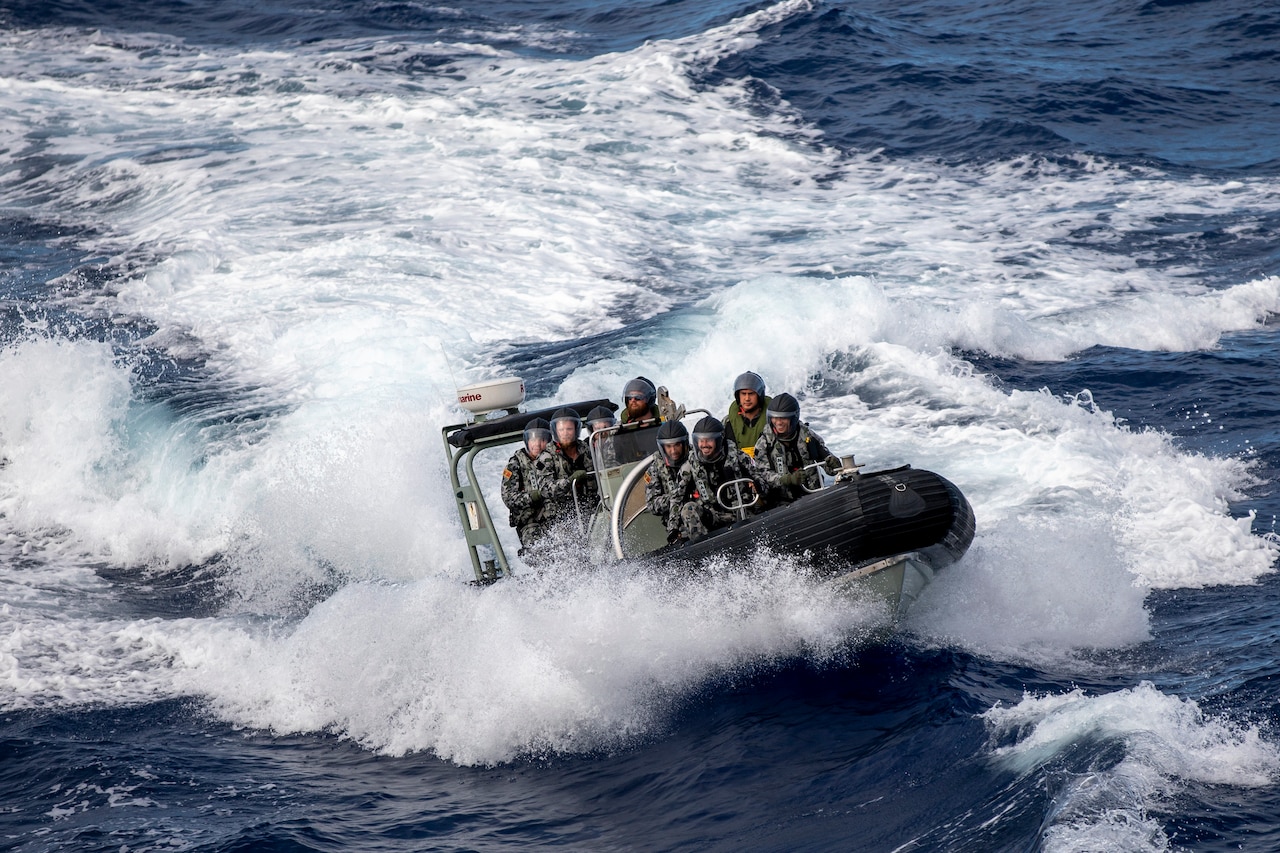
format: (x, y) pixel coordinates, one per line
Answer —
(724, 482)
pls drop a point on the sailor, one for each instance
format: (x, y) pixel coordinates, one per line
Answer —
(600, 418)
(746, 421)
(715, 462)
(601, 423)
(525, 483)
(639, 401)
(664, 485)
(572, 488)
(787, 447)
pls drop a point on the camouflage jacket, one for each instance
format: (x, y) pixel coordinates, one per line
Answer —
(776, 457)
(523, 475)
(665, 489)
(560, 488)
(707, 477)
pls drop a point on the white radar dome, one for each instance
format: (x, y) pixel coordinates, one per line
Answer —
(482, 397)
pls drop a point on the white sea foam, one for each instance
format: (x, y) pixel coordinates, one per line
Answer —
(535, 199)
(562, 662)
(318, 226)
(570, 663)
(1167, 745)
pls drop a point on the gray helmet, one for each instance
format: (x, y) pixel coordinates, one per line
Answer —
(785, 406)
(601, 418)
(640, 386)
(709, 427)
(749, 381)
(561, 416)
(537, 428)
(671, 435)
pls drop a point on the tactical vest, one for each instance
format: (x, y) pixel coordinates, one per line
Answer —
(783, 457)
(707, 477)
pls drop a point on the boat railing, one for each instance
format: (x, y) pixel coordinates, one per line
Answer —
(577, 508)
(848, 471)
(820, 468)
(741, 505)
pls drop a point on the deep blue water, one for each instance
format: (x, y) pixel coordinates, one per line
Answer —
(880, 746)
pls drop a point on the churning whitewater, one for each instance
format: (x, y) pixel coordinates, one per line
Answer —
(250, 254)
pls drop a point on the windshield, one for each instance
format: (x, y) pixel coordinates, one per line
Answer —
(623, 445)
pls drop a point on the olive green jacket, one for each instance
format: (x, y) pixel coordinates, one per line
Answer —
(743, 432)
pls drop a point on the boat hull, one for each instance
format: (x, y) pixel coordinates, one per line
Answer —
(870, 516)
(882, 534)
(896, 581)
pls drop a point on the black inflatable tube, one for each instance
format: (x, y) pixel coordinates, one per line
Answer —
(852, 521)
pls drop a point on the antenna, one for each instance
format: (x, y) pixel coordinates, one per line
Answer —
(481, 398)
(449, 365)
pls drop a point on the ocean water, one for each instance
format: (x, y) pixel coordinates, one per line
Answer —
(248, 252)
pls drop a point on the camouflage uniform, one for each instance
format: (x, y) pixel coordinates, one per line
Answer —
(775, 457)
(701, 512)
(604, 450)
(560, 488)
(522, 476)
(665, 489)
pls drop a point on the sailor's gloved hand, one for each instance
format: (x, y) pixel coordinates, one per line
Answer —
(833, 465)
(576, 476)
(535, 497)
(792, 480)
